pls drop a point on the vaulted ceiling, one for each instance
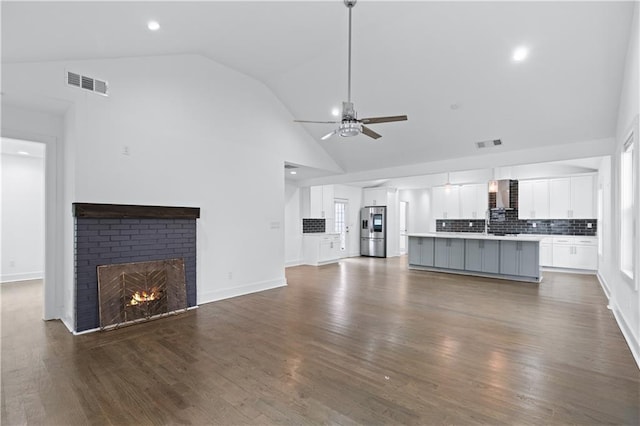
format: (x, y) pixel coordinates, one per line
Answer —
(447, 65)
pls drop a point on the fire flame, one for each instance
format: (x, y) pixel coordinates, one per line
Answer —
(141, 297)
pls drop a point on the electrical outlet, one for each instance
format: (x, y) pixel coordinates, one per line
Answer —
(589, 225)
(444, 224)
(470, 224)
(230, 275)
(125, 150)
(535, 225)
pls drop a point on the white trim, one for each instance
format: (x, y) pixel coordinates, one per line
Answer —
(290, 263)
(227, 293)
(632, 342)
(23, 276)
(570, 270)
(68, 324)
(605, 286)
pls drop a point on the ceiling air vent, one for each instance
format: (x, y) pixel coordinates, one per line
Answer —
(73, 79)
(289, 166)
(88, 83)
(488, 144)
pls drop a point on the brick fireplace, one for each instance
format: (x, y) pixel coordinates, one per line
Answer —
(110, 234)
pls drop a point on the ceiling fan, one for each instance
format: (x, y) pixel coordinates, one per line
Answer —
(351, 125)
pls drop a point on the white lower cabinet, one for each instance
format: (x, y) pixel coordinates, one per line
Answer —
(575, 253)
(320, 249)
(546, 252)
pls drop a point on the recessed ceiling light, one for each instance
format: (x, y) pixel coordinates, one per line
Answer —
(153, 25)
(335, 112)
(520, 54)
(23, 153)
(293, 172)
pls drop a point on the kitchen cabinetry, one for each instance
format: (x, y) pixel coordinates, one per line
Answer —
(575, 253)
(321, 204)
(511, 258)
(449, 253)
(474, 201)
(533, 199)
(546, 252)
(446, 202)
(374, 197)
(482, 256)
(572, 198)
(421, 251)
(520, 258)
(321, 249)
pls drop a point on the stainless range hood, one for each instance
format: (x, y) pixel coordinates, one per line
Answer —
(503, 193)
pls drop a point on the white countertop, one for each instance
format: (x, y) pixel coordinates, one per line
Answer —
(478, 236)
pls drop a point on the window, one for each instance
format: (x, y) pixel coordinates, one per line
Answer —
(627, 204)
(340, 224)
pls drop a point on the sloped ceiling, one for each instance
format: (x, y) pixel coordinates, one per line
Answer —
(447, 65)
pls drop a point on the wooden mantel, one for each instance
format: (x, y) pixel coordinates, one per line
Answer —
(128, 211)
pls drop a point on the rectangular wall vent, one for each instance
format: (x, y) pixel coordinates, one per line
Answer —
(289, 166)
(88, 83)
(488, 144)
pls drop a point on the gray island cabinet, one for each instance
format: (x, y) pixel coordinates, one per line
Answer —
(509, 257)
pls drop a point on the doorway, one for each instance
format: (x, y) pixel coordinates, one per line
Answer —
(403, 227)
(341, 224)
(23, 206)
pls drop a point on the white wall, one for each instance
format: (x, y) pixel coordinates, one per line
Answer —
(199, 134)
(418, 210)
(353, 195)
(292, 224)
(22, 216)
(624, 299)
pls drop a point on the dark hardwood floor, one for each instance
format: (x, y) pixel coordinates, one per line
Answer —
(362, 342)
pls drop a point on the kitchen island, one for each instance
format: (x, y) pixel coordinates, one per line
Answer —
(507, 257)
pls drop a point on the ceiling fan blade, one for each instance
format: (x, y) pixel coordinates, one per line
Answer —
(321, 122)
(373, 120)
(328, 135)
(367, 131)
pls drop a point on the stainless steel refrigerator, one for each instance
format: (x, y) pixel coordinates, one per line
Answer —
(373, 231)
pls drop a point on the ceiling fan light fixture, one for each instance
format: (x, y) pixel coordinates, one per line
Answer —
(349, 129)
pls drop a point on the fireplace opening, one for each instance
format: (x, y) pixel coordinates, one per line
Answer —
(133, 292)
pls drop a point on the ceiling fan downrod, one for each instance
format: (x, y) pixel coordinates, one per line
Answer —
(349, 4)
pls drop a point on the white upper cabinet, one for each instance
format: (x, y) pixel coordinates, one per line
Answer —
(572, 198)
(446, 202)
(474, 201)
(559, 198)
(582, 197)
(533, 199)
(321, 203)
(374, 197)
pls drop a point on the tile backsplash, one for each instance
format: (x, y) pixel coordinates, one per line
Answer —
(507, 222)
(310, 226)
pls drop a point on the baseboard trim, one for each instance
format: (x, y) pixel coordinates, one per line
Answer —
(228, 293)
(627, 333)
(68, 324)
(604, 285)
(570, 270)
(290, 263)
(24, 276)
(632, 342)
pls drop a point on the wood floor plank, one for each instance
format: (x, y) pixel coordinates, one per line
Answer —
(365, 341)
